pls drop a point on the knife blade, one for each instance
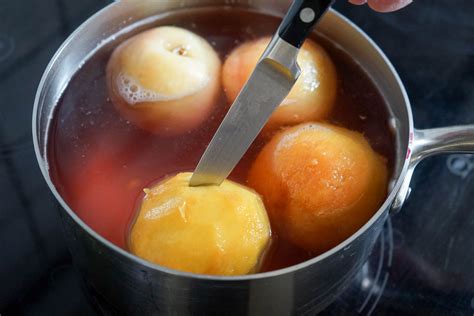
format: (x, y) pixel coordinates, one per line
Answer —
(266, 88)
(268, 85)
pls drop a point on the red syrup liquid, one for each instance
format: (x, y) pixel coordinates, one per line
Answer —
(100, 162)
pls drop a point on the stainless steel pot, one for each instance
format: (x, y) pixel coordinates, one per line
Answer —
(135, 286)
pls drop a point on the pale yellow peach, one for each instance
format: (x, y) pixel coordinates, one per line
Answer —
(164, 80)
(217, 230)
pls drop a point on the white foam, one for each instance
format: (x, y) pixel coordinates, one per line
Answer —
(308, 80)
(309, 77)
(133, 92)
(287, 140)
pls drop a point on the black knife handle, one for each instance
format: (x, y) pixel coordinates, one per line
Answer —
(300, 20)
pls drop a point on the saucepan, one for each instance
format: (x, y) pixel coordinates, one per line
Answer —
(135, 286)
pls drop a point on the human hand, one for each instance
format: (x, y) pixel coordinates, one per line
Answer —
(383, 5)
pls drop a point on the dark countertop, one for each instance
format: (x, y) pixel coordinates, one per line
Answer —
(430, 43)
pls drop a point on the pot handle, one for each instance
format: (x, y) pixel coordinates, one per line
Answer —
(427, 142)
(454, 139)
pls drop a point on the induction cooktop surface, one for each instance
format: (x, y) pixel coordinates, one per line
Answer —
(423, 260)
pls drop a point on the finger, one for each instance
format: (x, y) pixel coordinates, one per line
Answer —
(388, 5)
(358, 2)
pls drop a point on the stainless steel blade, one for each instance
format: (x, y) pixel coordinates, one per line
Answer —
(268, 85)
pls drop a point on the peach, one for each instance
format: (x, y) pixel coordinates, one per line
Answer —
(217, 230)
(320, 183)
(311, 98)
(164, 80)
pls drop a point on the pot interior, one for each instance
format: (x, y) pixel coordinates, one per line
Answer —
(123, 19)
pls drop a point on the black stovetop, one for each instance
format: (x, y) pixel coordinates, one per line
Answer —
(423, 262)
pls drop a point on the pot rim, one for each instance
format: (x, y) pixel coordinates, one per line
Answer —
(263, 275)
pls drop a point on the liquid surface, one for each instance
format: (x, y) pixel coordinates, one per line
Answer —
(100, 162)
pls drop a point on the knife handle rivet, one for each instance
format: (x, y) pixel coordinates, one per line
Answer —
(307, 15)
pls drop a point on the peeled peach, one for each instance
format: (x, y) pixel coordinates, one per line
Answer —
(313, 94)
(164, 80)
(217, 230)
(320, 183)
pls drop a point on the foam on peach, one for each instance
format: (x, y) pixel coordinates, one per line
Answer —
(133, 92)
(309, 75)
(288, 139)
(165, 80)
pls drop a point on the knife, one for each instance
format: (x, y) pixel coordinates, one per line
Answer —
(268, 85)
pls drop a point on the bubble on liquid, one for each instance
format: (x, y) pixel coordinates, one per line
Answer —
(133, 92)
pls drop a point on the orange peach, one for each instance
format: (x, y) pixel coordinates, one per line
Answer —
(218, 230)
(320, 183)
(164, 80)
(311, 98)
